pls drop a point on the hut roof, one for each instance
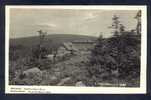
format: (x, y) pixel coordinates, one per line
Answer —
(83, 41)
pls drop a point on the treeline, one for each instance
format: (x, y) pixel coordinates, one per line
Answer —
(116, 58)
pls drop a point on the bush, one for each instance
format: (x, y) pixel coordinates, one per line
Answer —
(117, 57)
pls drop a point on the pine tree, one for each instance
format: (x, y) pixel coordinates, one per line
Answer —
(138, 18)
(115, 25)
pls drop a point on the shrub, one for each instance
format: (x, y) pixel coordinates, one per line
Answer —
(117, 57)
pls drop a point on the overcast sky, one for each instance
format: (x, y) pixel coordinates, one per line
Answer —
(26, 22)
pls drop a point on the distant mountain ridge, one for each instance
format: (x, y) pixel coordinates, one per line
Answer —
(57, 38)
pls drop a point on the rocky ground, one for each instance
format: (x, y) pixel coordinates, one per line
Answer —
(70, 72)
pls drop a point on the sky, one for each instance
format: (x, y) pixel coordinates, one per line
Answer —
(26, 22)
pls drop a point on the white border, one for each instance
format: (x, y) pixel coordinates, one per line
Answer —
(79, 90)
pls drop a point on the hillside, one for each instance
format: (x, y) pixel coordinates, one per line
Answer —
(20, 48)
(55, 38)
(113, 61)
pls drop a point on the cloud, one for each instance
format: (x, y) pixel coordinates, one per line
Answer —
(90, 16)
(50, 25)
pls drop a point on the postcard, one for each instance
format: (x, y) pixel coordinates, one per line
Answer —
(75, 49)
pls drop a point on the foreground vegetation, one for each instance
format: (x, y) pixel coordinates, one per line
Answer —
(113, 61)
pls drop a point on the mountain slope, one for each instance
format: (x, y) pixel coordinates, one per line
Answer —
(55, 38)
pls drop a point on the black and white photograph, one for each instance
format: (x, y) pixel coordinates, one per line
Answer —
(75, 49)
